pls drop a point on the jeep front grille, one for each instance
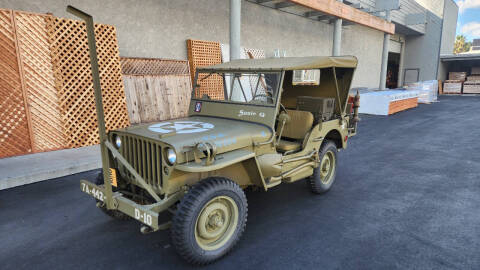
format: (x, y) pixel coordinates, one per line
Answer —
(145, 157)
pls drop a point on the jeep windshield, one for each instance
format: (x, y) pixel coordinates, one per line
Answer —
(248, 88)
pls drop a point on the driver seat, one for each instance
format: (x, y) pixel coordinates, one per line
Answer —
(295, 130)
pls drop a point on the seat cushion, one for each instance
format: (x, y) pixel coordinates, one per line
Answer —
(285, 146)
(299, 125)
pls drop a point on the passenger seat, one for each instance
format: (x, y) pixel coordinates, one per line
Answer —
(295, 130)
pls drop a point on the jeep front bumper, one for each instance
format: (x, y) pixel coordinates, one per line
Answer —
(146, 214)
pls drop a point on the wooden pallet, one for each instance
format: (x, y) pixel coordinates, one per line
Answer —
(15, 133)
(401, 105)
(71, 68)
(205, 53)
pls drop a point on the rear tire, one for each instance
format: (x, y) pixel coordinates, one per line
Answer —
(209, 220)
(324, 175)
(111, 213)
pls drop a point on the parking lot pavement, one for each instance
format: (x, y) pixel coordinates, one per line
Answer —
(407, 196)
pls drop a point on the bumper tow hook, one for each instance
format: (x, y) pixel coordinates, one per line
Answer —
(144, 229)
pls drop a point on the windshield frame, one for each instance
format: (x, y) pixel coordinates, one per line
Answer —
(222, 73)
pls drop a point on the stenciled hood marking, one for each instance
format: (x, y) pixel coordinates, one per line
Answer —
(181, 127)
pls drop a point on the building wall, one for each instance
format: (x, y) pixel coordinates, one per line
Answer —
(366, 44)
(159, 29)
(423, 51)
(449, 29)
(450, 15)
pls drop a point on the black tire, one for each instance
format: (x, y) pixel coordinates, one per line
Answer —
(111, 213)
(318, 183)
(184, 230)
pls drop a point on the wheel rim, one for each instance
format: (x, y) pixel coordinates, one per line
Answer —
(327, 167)
(216, 223)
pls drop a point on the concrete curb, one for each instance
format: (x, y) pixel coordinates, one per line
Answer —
(28, 169)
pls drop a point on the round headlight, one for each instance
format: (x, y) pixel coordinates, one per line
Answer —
(171, 156)
(118, 141)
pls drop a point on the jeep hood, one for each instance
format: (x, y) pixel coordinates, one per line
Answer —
(226, 134)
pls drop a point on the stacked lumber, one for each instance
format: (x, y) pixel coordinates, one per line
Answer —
(452, 87)
(458, 76)
(387, 102)
(473, 77)
(402, 105)
(471, 87)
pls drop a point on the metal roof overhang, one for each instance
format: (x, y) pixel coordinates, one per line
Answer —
(326, 10)
(460, 57)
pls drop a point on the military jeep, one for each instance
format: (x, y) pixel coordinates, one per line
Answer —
(252, 123)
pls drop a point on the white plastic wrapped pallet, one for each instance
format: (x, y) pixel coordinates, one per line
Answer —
(427, 90)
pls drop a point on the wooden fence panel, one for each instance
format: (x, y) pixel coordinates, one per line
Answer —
(43, 102)
(14, 130)
(71, 68)
(156, 98)
(205, 53)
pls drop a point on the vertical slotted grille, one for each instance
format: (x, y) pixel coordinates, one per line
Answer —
(145, 158)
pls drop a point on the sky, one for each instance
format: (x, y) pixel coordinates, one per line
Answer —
(468, 22)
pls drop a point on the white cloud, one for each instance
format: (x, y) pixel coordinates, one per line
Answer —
(467, 4)
(472, 29)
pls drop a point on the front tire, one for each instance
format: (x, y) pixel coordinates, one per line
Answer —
(324, 175)
(209, 220)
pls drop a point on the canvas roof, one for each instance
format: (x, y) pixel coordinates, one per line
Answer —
(285, 63)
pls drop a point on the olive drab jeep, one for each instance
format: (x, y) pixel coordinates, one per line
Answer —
(252, 123)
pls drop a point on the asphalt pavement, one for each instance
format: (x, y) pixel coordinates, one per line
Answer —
(407, 196)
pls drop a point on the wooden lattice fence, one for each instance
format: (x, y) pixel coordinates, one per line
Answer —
(71, 68)
(205, 53)
(42, 98)
(153, 66)
(46, 89)
(15, 136)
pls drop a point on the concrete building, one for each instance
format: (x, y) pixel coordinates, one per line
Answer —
(159, 28)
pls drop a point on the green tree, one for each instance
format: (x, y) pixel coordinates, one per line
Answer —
(461, 44)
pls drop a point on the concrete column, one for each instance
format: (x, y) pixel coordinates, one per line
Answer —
(401, 65)
(386, 45)
(337, 36)
(235, 26)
